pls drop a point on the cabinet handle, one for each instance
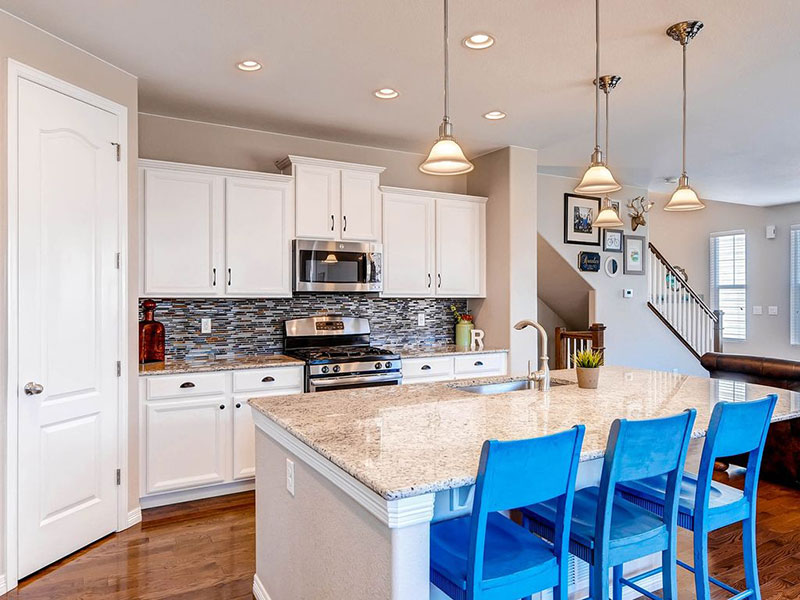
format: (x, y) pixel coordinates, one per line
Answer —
(229, 277)
(238, 405)
(426, 367)
(332, 222)
(478, 363)
(222, 407)
(187, 384)
(268, 379)
(439, 276)
(430, 281)
(345, 222)
(214, 273)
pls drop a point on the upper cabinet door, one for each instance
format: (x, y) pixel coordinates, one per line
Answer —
(361, 206)
(182, 233)
(408, 246)
(317, 190)
(460, 248)
(259, 217)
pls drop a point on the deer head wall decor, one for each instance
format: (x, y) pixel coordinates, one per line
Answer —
(638, 207)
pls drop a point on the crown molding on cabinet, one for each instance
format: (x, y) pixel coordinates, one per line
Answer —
(147, 163)
(292, 159)
(386, 189)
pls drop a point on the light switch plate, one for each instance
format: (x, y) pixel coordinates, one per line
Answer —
(205, 325)
(773, 310)
(290, 476)
(758, 310)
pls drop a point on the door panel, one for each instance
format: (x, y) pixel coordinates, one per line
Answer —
(258, 225)
(408, 246)
(244, 444)
(317, 191)
(68, 324)
(460, 254)
(361, 206)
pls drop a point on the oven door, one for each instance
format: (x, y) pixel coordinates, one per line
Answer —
(351, 382)
(321, 266)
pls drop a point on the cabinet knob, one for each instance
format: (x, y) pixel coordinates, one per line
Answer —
(222, 407)
(32, 388)
(426, 367)
(187, 384)
(478, 363)
(268, 379)
(238, 405)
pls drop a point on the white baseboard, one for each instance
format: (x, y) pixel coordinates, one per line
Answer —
(135, 516)
(3, 589)
(197, 493)
(258, 589)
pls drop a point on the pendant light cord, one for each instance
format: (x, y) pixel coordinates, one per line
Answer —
(684, 106)
(446, 118)
(607, 91)
(596, 73)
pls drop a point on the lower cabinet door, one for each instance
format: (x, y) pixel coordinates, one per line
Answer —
(244, 447)
(186, 443)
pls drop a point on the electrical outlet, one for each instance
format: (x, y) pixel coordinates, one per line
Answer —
(421, 319)
(758, 310)
(205, 325)
(290, 476)
(773, 310)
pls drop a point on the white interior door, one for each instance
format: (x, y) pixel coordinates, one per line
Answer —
(68, 322)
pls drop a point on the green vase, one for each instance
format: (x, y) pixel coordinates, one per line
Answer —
(464, 334)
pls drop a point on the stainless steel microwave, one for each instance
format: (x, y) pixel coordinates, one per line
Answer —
(324, 266)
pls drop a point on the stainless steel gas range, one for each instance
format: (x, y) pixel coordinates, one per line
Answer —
(338, 354)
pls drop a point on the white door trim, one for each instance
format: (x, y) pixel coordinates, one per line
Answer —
(17, 71)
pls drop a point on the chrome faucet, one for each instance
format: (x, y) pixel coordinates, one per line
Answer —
(542, 376)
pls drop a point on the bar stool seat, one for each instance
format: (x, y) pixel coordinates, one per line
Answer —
(630, 524)
(511, 552)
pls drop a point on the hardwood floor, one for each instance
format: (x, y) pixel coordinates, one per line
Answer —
(204, 550)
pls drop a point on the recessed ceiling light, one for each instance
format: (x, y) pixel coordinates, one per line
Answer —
(478, 41)
(386, 93)
(495, 115)
(249, 65)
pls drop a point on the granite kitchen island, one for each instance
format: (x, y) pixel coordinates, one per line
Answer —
(370, 469)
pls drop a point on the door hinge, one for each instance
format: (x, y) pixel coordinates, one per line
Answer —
(118, 260)
(119, 150)
(119, 477)
(119, 368)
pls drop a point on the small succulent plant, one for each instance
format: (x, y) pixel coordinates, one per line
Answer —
(588, 359)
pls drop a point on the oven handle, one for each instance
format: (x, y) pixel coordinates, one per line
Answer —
(326, 382)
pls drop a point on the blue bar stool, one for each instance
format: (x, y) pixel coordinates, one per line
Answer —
(608, 531)
(705, 505)
(487, 556)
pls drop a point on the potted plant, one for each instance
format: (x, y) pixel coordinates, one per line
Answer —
(587, 364)
(464, 327)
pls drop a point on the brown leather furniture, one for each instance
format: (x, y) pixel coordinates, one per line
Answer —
(782, 453)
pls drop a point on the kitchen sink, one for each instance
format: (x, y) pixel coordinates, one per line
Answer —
(509, 386)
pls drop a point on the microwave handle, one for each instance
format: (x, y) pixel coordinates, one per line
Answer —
(370, 267)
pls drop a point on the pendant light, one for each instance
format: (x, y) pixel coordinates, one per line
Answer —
(607, 217)
(446, 156)
(684, 198)
(597, 179)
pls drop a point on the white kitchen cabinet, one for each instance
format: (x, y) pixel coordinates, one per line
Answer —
(244, 439)
(258, 246)
(209, 232)
(181, 232)
(429, 369)
(408, 246)
(187, 443)
(434, 244)
(335, 200)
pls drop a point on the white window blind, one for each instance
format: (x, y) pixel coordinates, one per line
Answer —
(729, 282)
(795, 289)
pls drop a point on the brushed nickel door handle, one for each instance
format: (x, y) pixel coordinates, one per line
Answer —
(32, 388)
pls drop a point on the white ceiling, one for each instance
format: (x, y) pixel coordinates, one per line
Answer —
(323, 58)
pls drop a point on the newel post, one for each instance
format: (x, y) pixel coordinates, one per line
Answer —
(561, 355)
(598, 337)
(718, 331)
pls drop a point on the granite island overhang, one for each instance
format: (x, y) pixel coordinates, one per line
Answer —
(373, 467)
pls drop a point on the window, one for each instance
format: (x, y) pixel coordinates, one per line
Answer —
(729, 282)
(795, 290)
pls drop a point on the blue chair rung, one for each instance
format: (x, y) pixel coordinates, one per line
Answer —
(638, 588)
(716, 582)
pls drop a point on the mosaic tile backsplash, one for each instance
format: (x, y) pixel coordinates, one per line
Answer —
(255, 326)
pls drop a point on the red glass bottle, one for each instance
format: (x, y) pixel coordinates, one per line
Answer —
(151, 336)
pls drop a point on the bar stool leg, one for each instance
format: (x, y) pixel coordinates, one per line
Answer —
(591, 582)
(750, 557)
(701, 585)
(617, 584)
(669, 572)
(600, 579)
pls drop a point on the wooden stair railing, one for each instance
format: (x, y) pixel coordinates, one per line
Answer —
(570, 342)
(681, 309)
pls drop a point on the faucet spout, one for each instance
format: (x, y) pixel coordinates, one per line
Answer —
(542, 376)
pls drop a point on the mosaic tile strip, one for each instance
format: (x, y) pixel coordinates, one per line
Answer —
(255, 326)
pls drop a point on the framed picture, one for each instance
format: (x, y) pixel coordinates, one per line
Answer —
(612, 240)
(579, 214)
(633, 263)
(612, 266)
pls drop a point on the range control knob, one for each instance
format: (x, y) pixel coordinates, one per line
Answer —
(378, 365)
(324, 369)
(337, 368)
(388, 365)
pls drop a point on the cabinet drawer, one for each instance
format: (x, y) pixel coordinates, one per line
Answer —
(428, 369)
(477, 365)
(260, 380)
(190, 384)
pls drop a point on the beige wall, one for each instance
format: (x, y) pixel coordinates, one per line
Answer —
(179, 140)
(683, 238)
(37, 49)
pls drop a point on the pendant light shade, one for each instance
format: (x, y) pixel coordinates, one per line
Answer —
(684, 198)
(607, 217)
(598, 178)
(446, 157)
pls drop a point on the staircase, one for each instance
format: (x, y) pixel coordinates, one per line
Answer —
(681, 309)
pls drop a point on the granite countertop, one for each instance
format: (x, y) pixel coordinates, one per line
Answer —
(445, 350)
(403, 441)
(172, 366)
